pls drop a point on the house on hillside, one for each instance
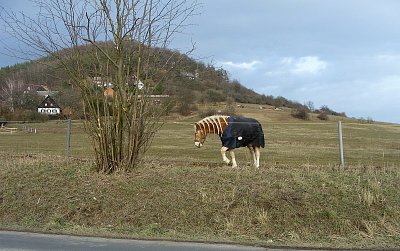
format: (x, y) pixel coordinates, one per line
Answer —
(190, 75)
(102, 82)
(109, 87)
(41, 90)
(49, 106)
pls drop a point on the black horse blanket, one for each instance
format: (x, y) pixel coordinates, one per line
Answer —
(242, 132)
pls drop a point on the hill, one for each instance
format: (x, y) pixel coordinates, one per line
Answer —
(187, 81)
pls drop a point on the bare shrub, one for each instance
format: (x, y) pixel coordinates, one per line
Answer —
(300, 113)
(118, 39)
(186, 109)
(214, 96)
(208, 112)
(34, 116)
(323, 116)
(230, 109)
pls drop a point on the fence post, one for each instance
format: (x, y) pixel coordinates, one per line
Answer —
(341, 145)
(68, 138)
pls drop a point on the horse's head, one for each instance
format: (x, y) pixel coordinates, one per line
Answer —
(199, 136)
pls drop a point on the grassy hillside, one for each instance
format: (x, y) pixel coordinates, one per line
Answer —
(291, 205)
(187, 81)
(172, 73)
(299, 196)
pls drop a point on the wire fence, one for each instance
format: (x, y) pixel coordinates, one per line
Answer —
(287, 143)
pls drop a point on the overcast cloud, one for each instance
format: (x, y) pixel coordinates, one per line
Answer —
(340, 53)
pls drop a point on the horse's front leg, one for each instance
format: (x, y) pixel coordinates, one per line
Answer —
(234, 165)
(223, 153)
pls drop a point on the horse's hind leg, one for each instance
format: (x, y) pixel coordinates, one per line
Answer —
(257, 159)
(252, 153)
(223, 153)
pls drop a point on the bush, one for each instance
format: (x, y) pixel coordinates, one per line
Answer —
(34, 116)
(323, 116)
(300, 113)
(209, 112)
(327, 110)
(368, 120)
(230, 107)
(186, 109)
(213, 96)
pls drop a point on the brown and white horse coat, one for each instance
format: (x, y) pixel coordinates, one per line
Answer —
(234, 132)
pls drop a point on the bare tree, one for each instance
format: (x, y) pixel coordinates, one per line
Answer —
(310, 106)
(107, 43)
(11, 92)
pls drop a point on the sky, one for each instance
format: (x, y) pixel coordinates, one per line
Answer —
(341, 53)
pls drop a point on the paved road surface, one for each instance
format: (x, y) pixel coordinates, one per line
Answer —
(31, 241)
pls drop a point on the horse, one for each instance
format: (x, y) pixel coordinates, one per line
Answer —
(234, 132)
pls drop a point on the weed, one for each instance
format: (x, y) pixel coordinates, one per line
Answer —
(29, 220)
(263, 217)
(229, 226)
(153, 229)
(367, 197)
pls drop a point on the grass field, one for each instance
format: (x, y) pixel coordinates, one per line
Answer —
(288, 143)
(298, 197)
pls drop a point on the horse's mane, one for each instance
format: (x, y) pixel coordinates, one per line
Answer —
(213, 117)
(214, 122)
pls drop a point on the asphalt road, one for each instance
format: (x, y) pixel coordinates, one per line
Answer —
(32, 241)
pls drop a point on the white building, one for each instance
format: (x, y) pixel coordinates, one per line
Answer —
(49, 106)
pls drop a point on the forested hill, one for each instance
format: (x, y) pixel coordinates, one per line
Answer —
(187, 81)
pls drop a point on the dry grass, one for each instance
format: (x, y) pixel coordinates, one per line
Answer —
(306, 206)
(298, 197)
